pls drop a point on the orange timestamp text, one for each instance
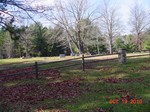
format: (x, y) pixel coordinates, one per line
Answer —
(125, 101)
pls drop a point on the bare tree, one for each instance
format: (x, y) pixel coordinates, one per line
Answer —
(110, 23)
(13, 10)
(70, 14)
(139, 21)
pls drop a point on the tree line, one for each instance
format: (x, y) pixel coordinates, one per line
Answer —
(76, 27)
(37, 40)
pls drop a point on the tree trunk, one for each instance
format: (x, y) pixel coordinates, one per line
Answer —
(98, 51)
(70, 47)
(79, 47)
(80, 43)
(138, 42)
(27, 52)
(110, 46)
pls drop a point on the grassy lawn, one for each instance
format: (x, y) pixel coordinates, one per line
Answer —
(89, 91)
(31, 60)
(17, 62)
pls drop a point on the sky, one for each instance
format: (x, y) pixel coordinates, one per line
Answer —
(123, 7)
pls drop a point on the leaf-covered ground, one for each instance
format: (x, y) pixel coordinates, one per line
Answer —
(103, 87)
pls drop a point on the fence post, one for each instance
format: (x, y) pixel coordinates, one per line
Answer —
(36, 70)
(83, 62)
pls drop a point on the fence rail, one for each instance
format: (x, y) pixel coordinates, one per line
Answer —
(37, 66)
(138, 55)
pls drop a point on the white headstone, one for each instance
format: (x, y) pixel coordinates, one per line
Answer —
(62, 55)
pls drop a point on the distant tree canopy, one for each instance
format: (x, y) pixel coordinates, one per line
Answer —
(74, 27)
(37, 40)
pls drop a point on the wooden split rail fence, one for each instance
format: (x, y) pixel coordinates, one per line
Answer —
(37, 65)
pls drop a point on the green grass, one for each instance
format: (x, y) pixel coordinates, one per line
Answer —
(31, 60)
(96, 94)
(18, 62)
